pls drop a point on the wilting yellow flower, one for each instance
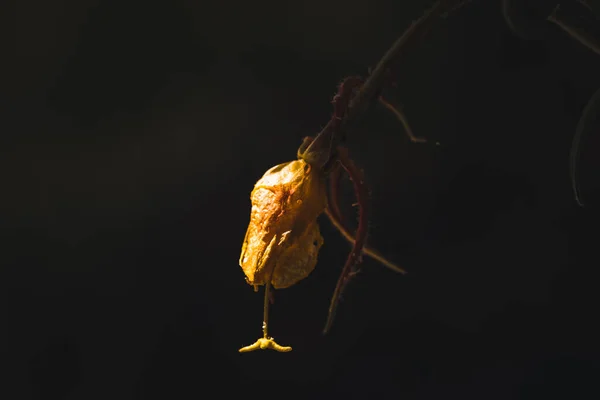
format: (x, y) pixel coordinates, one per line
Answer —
(283, 239)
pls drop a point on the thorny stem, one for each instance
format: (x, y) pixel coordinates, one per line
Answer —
(330, 135)
(372, 87)
(329, 138)
(335, 216)
(355, 256)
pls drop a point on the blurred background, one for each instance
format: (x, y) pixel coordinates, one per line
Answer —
(132, 135)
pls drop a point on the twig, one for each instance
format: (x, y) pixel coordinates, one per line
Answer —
(330, 136)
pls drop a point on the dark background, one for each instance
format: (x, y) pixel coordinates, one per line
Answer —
(133, 133)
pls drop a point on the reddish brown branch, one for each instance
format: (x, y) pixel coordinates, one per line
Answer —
(336, 217)
(331, 135)
(355, 256)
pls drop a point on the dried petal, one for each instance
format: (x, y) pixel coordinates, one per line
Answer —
(298, 258)
(283, 239)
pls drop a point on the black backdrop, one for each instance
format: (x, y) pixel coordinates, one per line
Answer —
(134, 132)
